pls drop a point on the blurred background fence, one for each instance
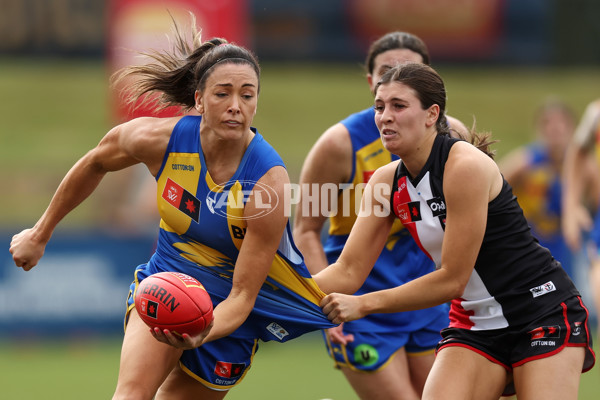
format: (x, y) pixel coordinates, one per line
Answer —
(539, 32)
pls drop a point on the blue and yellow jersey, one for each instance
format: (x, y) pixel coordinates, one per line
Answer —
(595, 134)
(539, 193)
(401, 259)
(202, 228)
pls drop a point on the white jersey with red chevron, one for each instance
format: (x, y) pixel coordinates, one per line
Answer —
(513, 278)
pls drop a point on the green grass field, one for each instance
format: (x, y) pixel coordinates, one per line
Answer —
(54, 111)
(297, 370)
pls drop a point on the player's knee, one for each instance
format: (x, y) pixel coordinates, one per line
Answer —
(132, 392)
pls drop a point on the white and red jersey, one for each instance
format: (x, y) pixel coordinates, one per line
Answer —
(514, 278)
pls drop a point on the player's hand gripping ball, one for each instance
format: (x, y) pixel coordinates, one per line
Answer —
(174, 301)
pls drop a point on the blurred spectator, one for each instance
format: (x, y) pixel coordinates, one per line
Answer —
(534, 171)
(581, 229)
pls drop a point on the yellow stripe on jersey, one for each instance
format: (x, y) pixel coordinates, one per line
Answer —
(235, 215)
(285, 275)
(206, 256)
(184, 169)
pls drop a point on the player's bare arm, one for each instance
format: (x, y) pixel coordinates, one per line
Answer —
(466, 207)
(261, 240)
(120, 148)
(466, 204)
(372, 227)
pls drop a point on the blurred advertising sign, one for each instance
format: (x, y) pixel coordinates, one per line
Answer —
(457, 29)
(144, 26)
(51, 27)
(80, 285)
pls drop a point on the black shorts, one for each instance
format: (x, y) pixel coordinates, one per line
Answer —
(566, 326)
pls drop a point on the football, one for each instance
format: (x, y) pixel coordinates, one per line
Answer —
(174, 301)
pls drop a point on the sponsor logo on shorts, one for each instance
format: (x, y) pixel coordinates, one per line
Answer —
(229, 370)
(577, 328)
(365, 355)
(543, 335)
(543, 289)
(542, 332)
(277, 330)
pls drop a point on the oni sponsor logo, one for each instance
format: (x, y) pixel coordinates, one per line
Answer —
(543, 289)
(437, 206)
(233, 198)
(277, 330)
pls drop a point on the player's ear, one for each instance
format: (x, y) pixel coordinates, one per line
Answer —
(199, 104)
(433, 113)
(370, 82)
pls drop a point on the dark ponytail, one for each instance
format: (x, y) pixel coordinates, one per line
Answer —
(175, 75)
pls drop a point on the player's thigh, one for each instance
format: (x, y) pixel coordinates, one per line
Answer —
(391, 381)
(555, 377)
(419, 365)
(145, 362)
(462, 374)
(181, 386)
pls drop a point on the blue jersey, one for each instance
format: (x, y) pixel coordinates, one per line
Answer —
(401, 259)
(595, 143)
(202, 229)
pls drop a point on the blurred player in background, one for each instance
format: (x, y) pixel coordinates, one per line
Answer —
(515, 313)
(578, 223)
(243, 255)
(382, 356)
(534, 171)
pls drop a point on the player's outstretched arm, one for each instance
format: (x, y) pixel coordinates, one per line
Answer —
(367, 238)
(141, 140)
